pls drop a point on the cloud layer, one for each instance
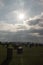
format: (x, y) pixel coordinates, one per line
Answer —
(11, 29)
(31, 30)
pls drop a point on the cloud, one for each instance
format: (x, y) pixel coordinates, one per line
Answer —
(41, 2)
(1, 4)
(36, 24)
(35, 20)
(20, 36)
(31, 30)
(13, 27)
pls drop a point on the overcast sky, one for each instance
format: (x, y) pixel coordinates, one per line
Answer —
(28, 29)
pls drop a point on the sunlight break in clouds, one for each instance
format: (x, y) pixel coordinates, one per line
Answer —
(30, 30)
(16, 16)
(34, 23)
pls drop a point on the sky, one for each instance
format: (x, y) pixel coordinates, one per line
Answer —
(29, 28)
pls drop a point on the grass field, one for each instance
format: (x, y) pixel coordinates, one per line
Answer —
(30, 56)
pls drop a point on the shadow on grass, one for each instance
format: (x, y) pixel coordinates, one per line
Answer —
(9, 57)
(6, 62)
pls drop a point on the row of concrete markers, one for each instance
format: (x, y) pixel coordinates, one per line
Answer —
(10, 53)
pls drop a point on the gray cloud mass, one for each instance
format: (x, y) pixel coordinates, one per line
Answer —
(23, 32)
(30, 29)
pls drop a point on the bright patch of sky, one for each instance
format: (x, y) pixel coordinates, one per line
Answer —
(9, 9)
(21, 20)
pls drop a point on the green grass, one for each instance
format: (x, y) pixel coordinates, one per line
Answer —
(30, 56)
(3, 53)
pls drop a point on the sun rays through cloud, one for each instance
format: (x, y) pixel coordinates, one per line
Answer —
(24, 18)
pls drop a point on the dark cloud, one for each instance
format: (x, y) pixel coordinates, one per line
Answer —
(37, 23)
(33, 22)
(40, 31)
(21, 36)
(36, 20)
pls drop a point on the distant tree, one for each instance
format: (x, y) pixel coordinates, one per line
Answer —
(15, 46)
(26, 45)
(40, 44)
(36, 44)
(30, 45)
(0, 42)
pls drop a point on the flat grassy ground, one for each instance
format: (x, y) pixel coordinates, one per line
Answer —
(30, 56)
